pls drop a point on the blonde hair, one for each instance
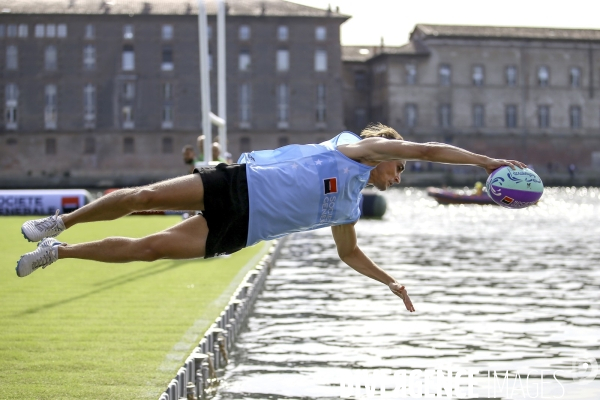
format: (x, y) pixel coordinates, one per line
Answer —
(380, 130)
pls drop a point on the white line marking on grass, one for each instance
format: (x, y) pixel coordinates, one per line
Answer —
(174, 359)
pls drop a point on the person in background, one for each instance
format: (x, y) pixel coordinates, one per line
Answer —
(216, 153)
(189, 158)
(216, 150)
(572, 169)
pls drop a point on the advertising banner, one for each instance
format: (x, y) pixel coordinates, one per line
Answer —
(42, 201)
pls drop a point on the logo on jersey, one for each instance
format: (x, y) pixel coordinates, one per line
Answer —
(330, 185)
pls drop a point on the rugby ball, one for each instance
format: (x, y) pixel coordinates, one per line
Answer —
(514, 188)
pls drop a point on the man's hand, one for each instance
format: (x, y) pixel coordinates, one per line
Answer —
(400, 291)
(494, 164)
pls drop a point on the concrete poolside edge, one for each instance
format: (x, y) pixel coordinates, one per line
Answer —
(197, 377)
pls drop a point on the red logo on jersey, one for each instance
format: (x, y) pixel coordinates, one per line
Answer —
(330, 185)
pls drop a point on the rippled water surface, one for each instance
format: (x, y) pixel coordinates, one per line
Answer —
(494, 290)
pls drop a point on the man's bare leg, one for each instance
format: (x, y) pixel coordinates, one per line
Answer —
(183, 193)
(182, 241)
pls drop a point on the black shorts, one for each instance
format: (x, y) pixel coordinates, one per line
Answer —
(226, 208)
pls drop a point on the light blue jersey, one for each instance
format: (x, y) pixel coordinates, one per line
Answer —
(303, 187)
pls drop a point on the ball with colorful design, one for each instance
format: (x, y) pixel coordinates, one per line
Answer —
(514, 188)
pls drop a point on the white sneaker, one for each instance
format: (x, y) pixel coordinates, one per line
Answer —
(38, 229)
(45, 254)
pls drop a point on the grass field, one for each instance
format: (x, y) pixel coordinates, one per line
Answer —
(87, 330)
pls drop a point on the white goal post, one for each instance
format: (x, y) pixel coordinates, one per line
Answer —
(208, 118)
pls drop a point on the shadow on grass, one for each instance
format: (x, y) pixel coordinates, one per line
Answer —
(134, 275)
(108, 284)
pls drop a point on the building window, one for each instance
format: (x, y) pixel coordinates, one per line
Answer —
(410, 115)
(445, 75)
(575, 117)
(511, 116)
(321, 111)
(244, 105)
(128, 32)
(445, 116)
(11, 101)
(128, 58)
(167, 59)
(2, 30)
(167, 145)
(360, 118)
(12, 57)
(50, 146)
(167, 112)
(168, 91)
(478, 116)
(89, 57)
(321, 60)
(575, 75)
(282, 33)
(129, 90)
(282, 106)
(167, 116)
(360, 80)
(543, 76)
(543, 116)
(89, 106)
(320, 33)
(209, 31)
(244, 32)
(12, 30)
(40, 30)
(50, 58)
(244, 60)
(511, 75)
(377, 114)
(61, 31)
(90, 32)
(379, 71)
(128, 145)
(478, 75)
(50, 109)
(411, 74)
(245, 145)
(167, 32)
(23, 31)
(128, 122)
(283, 60)
(89, 145)
(50, 30)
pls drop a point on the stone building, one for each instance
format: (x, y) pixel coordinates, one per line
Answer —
(528, 93)
(107, 91)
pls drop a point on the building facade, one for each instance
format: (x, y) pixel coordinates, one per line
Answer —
(528, 93)
(107, 93)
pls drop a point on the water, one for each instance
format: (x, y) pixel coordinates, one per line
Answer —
(494, 290)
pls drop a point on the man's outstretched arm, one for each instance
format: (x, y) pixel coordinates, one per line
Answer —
(375, 150)
(350, 253)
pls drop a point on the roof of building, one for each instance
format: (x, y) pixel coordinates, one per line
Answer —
(364, 53)
(270, 8)
(505, 32)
